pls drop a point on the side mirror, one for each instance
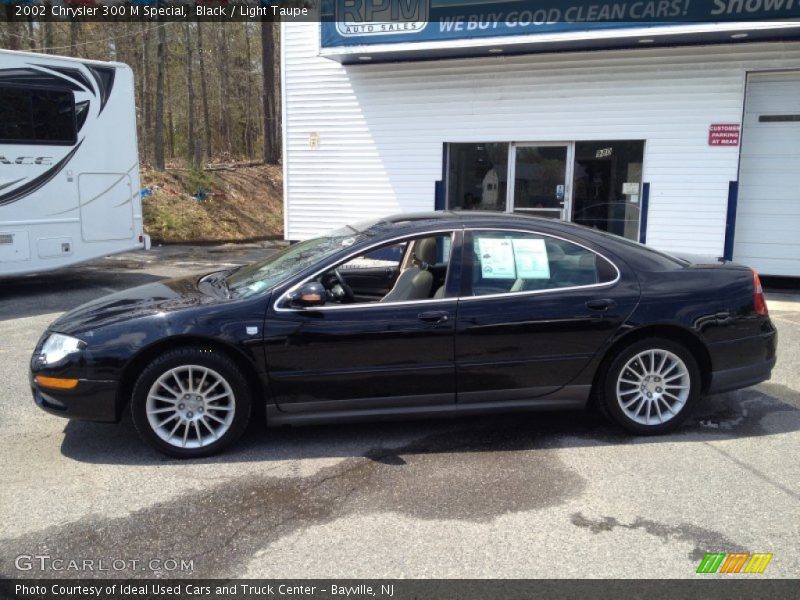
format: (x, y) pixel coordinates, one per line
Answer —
(308, 295)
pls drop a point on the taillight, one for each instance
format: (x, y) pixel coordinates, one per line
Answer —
(759, 301)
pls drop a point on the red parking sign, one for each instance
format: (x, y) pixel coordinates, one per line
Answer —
(724, 134)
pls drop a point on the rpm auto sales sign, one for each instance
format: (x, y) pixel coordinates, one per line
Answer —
(724, 134)
(381, 17)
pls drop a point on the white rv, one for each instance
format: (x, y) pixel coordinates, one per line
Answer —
(69, 166)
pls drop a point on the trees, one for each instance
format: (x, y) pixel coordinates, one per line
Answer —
(161, 69)
(222, 94)
(272, 114)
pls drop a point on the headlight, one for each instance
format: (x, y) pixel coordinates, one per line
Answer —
(58, 347)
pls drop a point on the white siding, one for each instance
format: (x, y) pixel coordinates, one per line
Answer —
(381, 127)
(768, 218)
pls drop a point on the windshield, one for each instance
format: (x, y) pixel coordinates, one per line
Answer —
(260, 276)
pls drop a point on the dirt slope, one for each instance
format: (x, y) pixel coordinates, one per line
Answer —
(220, 204)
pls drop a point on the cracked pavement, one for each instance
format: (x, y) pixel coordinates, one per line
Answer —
(536, 495)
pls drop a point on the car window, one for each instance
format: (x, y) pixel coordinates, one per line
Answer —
(413, 270)
(506, 262)
(385, 257)
(257, 277)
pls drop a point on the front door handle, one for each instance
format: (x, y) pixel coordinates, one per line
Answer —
(601, 304)
(435, 316)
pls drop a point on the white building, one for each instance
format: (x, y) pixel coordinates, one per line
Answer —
(686, 137)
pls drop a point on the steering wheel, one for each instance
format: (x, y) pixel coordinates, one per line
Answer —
(347, 292)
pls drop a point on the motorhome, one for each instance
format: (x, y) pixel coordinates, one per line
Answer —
(69, 166)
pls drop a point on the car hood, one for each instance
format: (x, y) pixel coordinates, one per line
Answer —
(151, 299)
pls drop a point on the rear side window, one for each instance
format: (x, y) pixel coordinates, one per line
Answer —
(36, 116)
(505, 262)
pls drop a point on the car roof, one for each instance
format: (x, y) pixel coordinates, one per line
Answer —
(458, 218)
(411, 223)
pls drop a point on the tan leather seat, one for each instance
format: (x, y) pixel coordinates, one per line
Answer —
(416, 282)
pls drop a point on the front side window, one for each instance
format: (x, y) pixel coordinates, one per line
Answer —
(412, 270)
(261, 276)
(36, 116)
(506, 262)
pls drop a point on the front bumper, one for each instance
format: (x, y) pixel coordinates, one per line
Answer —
(90, 401)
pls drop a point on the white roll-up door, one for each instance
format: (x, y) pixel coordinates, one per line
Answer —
(768, 216)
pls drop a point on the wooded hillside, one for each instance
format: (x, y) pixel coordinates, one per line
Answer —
(202, 93)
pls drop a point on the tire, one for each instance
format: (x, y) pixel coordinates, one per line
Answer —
(637, 381)
(191, 402)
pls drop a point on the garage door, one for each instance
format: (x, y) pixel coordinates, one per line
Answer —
(768, 217)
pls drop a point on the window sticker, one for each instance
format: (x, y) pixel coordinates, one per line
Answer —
(530, 257)
(519, 258)
(496, 258)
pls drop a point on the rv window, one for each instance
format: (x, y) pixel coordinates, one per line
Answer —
(36, 116)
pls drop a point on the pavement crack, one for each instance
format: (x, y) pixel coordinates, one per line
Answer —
(751, 469)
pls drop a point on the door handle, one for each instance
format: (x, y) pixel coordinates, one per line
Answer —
(436, 317)
(601, 304)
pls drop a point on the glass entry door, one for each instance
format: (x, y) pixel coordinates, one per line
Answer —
(596, 183)
(542, 174)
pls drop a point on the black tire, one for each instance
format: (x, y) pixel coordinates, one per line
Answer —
(220, 364)
(611, 405)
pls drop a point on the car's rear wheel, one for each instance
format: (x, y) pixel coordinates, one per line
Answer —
(651, 386)
(191, 402)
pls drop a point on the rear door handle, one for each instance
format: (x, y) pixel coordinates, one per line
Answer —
(601, 304)
(435, 316)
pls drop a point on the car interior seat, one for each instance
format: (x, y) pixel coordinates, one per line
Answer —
(415, 282)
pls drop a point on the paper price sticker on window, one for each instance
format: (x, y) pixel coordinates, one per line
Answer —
(531, 259)
(497, 258)
(513, 258)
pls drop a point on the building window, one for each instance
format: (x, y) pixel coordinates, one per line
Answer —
(37, 116)
(607, 181)
(477, 175)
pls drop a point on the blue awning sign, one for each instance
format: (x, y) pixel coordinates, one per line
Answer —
(364, 23)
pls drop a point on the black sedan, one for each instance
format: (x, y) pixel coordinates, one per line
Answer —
(413, 315)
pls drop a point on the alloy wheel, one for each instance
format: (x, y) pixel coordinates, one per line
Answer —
(653, 387)
(190, 406)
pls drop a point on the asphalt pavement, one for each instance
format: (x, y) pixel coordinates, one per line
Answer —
(538, 495)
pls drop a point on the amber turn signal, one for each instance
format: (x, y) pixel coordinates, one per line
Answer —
(56, 382)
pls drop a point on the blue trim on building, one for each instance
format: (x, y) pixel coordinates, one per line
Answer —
(730, 220)
(439, 202)
(643, 214)
(440, 192)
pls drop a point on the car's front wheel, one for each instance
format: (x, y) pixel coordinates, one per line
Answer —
(651, 386)
(191, 402)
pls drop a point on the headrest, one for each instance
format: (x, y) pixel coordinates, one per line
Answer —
(425, 251)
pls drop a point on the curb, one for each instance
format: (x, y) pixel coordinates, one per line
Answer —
(783, 302)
